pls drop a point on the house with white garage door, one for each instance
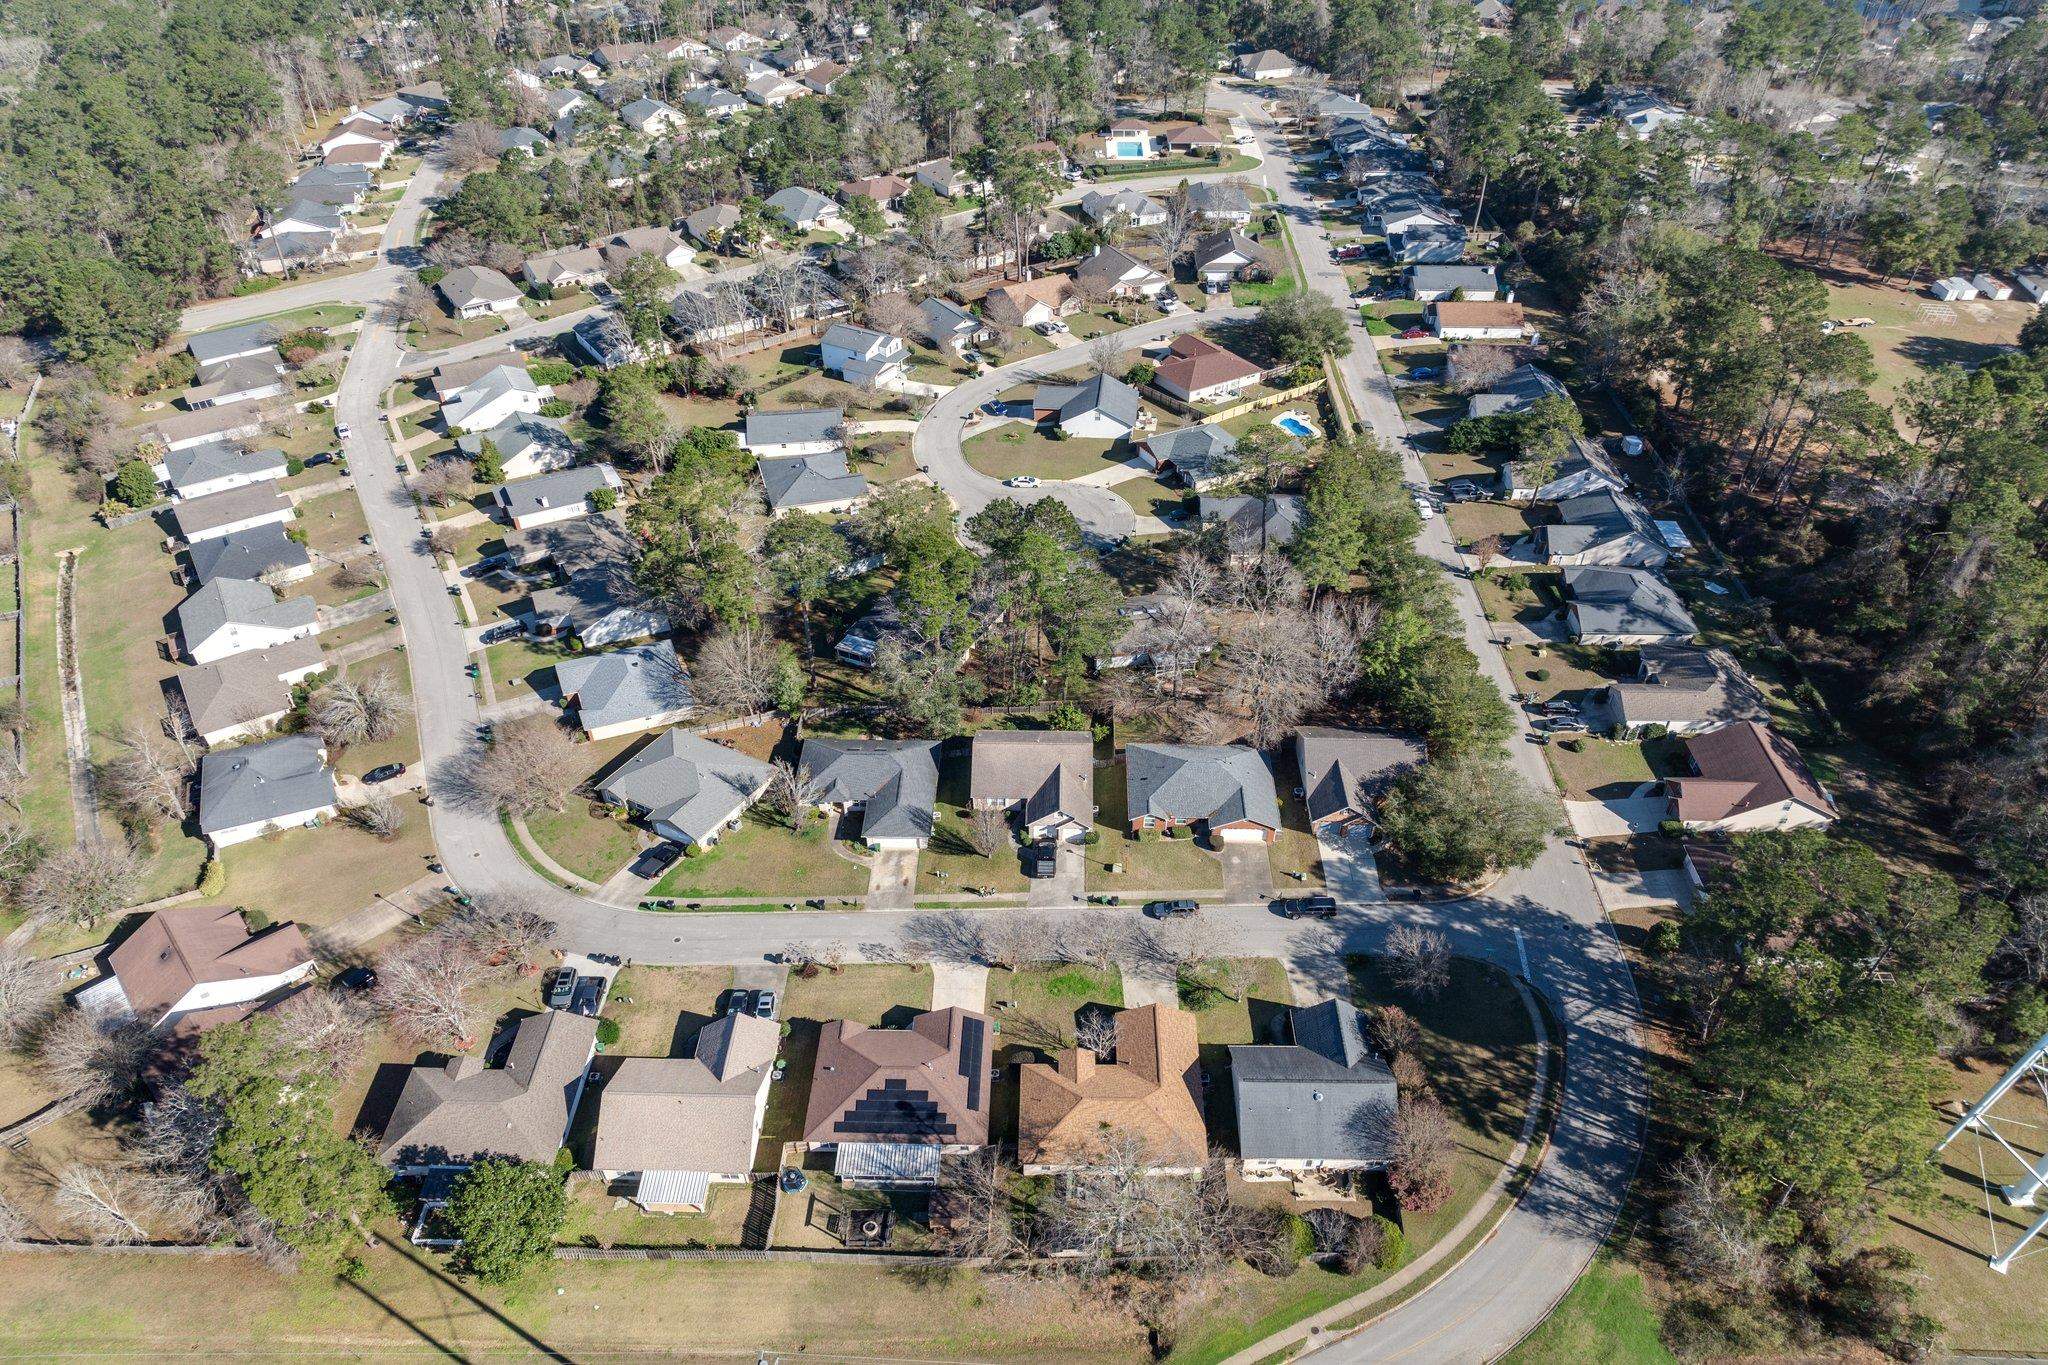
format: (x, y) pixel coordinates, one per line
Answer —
(1222, 790)
(893, 784)
(1047, 777)
(669, 1128)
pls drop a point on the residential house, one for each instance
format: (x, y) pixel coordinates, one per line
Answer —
(523, 141)
(191, 967)
(1268, 65)
(772, 90)
(1222, 790)
(563, 107)
(1345, 773)
(241, 380)
(1471, 283)
(359, 132)
(287, 251)
(1126, 207)
(1046, 777)
(223, 514)
(622, 56)
(217, 466)
(617, 95)
(1153, 636)
(1398, 213)
(1197, 370)
(793, 431)
(1221, 257)
(1030, 303)
(497, 396)
(576, 267)
(1198, 457)
(942, 176)
(1584, 473)
(893, 784)
(1991, 288)
(686, 788)
(1625, 607)
(607, 341)
(229, 422)
(304, 218)
(821, 78)
(1455, 321)
(561, 496)
(260, 552)
(234, 615)
(1217, 201)
(711, 224)
(1602, 528)
(1495, 16)
(1254, 526)
(884, 191)
(598, 602)
(717, 312)
(1680, 689)
(726, 38)
(1148, 1092)
(568, 66)
(950, 327)
(390, 110)
(450, 1114)
(1646, 114)
(863, 356)
(862, 642)
(427, 99)
(1323, 1102)
(671, 1127)
(247, 791)
(452, 378)
(1516, 391)
(1747, 777)
(803, 210)
(1119, 275)
(818, 483)
(714, 101)
(622, 691)
(1431, 244)
(244, 695)
(473, 291)
(1103, 408)
(357, 156)
(888, 1102)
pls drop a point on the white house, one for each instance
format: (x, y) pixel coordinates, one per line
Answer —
(651, 118)
(237, 615)
(359, 132)
(224, 513)
(672, 1127)
(1126, 206)
(1473, 283)
(217, 466)
(1454, 321)
(1119, 274)
(1197, 370)
(561, 496)
(193, 966)
(860, 355)
(247, 791)
(1953, 289)
(624, 691)
(1267, 66)
(527, 445)
(494, 398)
(793, 431)
(803, 210)
(475, 290)
(1103, 408)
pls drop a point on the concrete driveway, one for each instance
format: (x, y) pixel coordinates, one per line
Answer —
(1067, 885)
(892, 879)
(1247, 873)
(1638, 813)
(1349, 868)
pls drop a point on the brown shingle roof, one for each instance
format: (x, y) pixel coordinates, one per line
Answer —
(1151, 1093)
(456, 1112)
(1465, 313)
(1009, 302)
(1742, 767)
(879, 188)
(355, 154)
(692, 1113)
(928, 1083)
(1195, 363)
(1050, 771)
(177, 949)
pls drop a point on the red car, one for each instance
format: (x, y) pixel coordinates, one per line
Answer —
(1413, 333)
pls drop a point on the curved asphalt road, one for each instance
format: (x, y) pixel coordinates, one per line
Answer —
(1545, 922)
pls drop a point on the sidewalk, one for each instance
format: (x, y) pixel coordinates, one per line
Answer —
(379, 917)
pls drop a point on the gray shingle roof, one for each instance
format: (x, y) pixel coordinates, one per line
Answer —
(1213, 784)
(1194, 451)
(1217, 245)
(1105, 394)
(279, 779)
(246, 554)
(563, 488)
(1213, 198)
(793, 425)
(219, 460)
(224, 508)
(898, 780)
(1324, 1097)
(799, 205)
(1476, 278)
(1515, 390)
(1345, 771)
(453, 1113)
(688, 782)
(810, 480)
(1242, 517)
(210, 348)
(1626, 602)
(244, 687)
(945, 319)
(476, 284)
(625, 685)
(544, 439)
(715, 99)
(224, 602)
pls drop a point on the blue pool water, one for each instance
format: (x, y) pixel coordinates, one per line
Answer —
(1294, 426)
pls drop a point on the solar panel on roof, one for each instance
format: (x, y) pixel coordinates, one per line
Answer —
(972, 1065)
(895, 1108)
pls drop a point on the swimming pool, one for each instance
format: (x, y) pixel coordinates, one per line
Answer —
(1294, 424)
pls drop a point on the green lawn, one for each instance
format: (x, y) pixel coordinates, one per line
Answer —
(1153, 863)
(1234, 164)
(1249, 293)
(403, 747)
(1471, 520)
(1295, 851)
(531, 661)
(950, 862)
(1567, 668)
(1034, 1007)
(1604, 1320)
(660, 1009)
(591, 846)
(764, 859)
(1600, 770)
(332, 522)
(1020, 448)
(316, 876)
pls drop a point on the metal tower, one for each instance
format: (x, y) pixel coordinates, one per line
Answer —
(2023, 1192)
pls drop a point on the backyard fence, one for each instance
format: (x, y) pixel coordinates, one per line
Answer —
(1266, 400)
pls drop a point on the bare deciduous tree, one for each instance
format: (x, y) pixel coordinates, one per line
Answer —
(936, 936)
(981, 1208)
(330, 1028)
(365, 710)
(1419, 1155)
(1096, 1031)
(1106, 356)
(790, 791)
(530, 764)
(472, 146)
(146, 777)
(441, 479)
(1119, 1210)
(104, 1202)
(1419, 960)
(79, 885)
(413, 302)
(736, 669)
(1711, 1237)
(375, 814)
(358, 571)
(14, 1224)
(1279, 660)
(425, 987)
(90, 1059)
(506, 928)
(989, 830)
(1475, 369)
(439, 539)
(29, 991)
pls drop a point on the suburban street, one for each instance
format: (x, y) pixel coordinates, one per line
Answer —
(1545, 923)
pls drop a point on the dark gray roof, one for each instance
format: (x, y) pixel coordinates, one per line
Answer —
(1214, 784)
(1431, 242)
(219, 460)
(640, 110)
(1229, 242)
(210, 348)
(688, 782)
(707, 223)
(625, 684)
(544, 438)
(798, 204)
(229, 506)
(898, 780)
(224, 602)
(476, 284)
(1626, 602)
(276, 780)
(1105, 394)
(1347, 770)
(244, 687)
(945, 319)
(1324, 1097)
(1514, 391)
(1242, 516)
(793, 425)
(1210, 197)
(810, 480)
(1470, 277)
(1194, 451)
(714, 98)
(246, 554)
(1599, 518)
(563, 488)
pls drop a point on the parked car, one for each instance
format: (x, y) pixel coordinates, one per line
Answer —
(589, 995)
(1169, 303)
(1041, 860)
(341, 431)
(654, 861)
(1424, 508)
(357, 979)
(1021, 481)
(1351, 253)
(1463, 490)
(1557, 708)
(1423, 372)
(1306, 907)
(1169, 909)
(385, 772)
(561, 988)
(1415, 334)
(1051, 327)
(764, 1004)
(488, 564)
(505, 630)
(739, 1002)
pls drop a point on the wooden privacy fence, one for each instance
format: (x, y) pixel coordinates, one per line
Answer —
(1266, 400)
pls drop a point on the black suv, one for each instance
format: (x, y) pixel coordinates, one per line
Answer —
(1307, 907)
(1169, 909)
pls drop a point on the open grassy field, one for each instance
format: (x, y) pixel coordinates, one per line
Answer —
(1914, 332)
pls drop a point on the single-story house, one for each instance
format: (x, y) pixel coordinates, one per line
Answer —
(1430, 244)
(227, 422)
(671, 1127)
(651, 117)
(1344, 773)
(451, 1113)
(598, 602)
(1603, 528)
(1646, 114)
(1028, 303)
(245, 695)
(772, 90)
(1515, 391)
(888, 1101)
(527, 445)
(793, 431)
(1147, 1091)
(1747, 777)
(803, 210)
(714, 101)
(1583, 473)
(1223, 790)
(527, 141)
(811, 483)
(687, 788)
(217, 466)
(567, 65)
(241, 380)
(304, 217)
(260, 552)
(235, 615)
(709, 225)
(1252, 525)
(943, 176)
(1455, 321)
(276, 784)
(1221, 257)
(1120, 275)
(862, 642)
(1197, 370)
(821, 78)
(1436, 283)
(191, 967)
(607, 341)
(1682, 689)
(452, 378)
(1102, 408)
(1618, 606)
(1268, 65)
(884, 191)
(1153, 636)
(500, 395)
(1129, 139)
(949, 326)
(621, 691)
(473, 291)
(1323, 1102)
(232, 343)
(357, 156)
(225, 513)
(894, 784)
(358, 132)
(1197, 456)
(570, 268)
(560, 496)
(1046, 776)
(861, 355)
(726, 38)
(1220, 202)
(1126, 206)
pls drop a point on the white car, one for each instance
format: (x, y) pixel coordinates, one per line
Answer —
(1020, 481)
(1424, 508)
(341, 431)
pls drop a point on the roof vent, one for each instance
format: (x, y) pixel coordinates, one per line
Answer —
(1316, 1095)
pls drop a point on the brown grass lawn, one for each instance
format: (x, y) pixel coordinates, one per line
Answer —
(1913, 336)
(660, 1009)
(332, 522)
(1296, 850)
(593, 846)
(699, 411)
(1571, 669)
(475, 542)
(1152, 497)
(766, 860)
(403, 747)
(1506, 595)
(1034, 1007)
(1444, 465)
(1471, 520)
(316, 876)
(440, 331)
(950, 863)
(1154, 863)
(865, 993)
(600, 1219)
(494, 600)
(1020, 448)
